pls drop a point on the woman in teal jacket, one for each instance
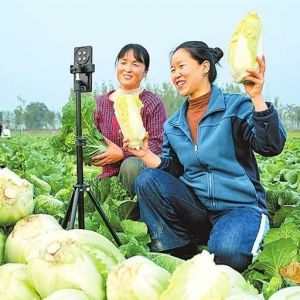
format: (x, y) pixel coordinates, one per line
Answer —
(205, 187)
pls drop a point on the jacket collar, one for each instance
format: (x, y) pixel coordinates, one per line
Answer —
(216, 103)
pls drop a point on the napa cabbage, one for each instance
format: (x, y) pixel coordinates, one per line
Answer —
(127, 111)
(200, 278)
(137, 278)
(64, 265)
(244, 46)
(93, 140)
(25, 234)
(16, 197)
(72, 259)
(40, 186)
(47, 204)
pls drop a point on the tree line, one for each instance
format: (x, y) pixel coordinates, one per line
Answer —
(37, 116)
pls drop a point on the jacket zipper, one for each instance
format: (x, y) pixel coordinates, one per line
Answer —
(195, 148)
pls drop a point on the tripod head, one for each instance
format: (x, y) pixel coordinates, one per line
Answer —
(83, 69)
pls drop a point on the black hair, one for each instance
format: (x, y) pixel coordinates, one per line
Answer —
(201, 52)
(139, 52)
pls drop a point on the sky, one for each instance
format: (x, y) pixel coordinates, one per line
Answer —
(38, 37)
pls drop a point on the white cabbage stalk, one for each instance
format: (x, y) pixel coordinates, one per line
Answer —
(287, 293)
(16, 197)
(25, 234)
(137, 278)
(65, 294)
(245, 44)
(197, 278)
(128, 113)
(14, 283)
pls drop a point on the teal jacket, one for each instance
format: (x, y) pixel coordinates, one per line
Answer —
(221, 167)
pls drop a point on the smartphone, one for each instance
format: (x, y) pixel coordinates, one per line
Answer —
(83, 67)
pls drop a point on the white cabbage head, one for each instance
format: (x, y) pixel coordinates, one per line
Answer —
(244, 46)
(197, 278)
(200, 278)
(137, 278)
(16, 197)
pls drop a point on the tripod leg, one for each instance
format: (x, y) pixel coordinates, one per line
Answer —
(71, 211)
(68, 213)
(74, 208)
(104, 217)
(81, 209)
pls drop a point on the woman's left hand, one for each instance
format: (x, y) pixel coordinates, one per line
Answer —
(255, 79)
(137, 152)
(112, 155)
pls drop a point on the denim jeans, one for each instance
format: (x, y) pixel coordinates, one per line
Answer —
(130, 168)
(175, 217)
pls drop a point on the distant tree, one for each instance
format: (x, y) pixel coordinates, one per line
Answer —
(297, 112)
(8, 119)
(50, 119)
(292, 114)
(276, 103)
(36, 116)
(105, 88)
(58, 118)
(168, 94)
(231, 88)
(20, 112)
(72, 94)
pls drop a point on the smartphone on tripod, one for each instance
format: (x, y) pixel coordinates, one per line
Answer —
(82, 70)
(83, 67)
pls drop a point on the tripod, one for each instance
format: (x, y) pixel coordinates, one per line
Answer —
(77, 199)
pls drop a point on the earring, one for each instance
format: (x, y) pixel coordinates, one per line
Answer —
(204, 73)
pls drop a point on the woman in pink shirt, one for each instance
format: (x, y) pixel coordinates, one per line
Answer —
(132, 63)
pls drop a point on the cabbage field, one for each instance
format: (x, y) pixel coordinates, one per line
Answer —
(34, 159)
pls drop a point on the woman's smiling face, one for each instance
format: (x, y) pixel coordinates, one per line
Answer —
(187, 74)
(130, 72)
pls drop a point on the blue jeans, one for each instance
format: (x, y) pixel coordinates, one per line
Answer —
(130, 168)
(175, 217)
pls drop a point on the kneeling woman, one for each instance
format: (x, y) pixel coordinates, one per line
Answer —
(205, 187)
